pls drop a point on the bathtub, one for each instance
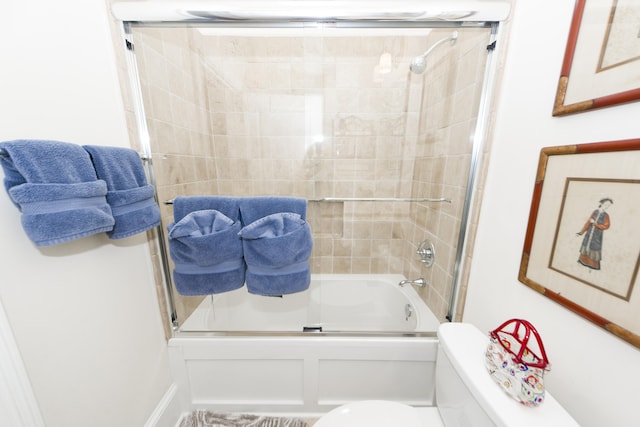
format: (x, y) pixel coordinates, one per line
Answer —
(347, 338)
(333, 303)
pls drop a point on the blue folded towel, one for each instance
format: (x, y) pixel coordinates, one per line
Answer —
(254, 208)
(182, 206)
(277, 248)
(130, 196)
(205, 247)
(56, 188)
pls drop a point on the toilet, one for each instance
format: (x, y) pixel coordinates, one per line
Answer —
(466, 395)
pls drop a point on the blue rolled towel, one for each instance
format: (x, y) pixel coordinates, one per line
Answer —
(254, 208)
(130, 196)
(55, 187)
(205, 247)
(277, 248)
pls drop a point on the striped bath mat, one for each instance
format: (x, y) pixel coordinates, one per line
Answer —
(213, 419)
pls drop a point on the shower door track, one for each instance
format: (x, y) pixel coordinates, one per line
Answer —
(351, 13)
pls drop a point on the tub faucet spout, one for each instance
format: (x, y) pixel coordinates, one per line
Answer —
(418, 282)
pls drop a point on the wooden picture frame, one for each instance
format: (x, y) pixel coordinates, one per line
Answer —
(582, 245)
(601, 65)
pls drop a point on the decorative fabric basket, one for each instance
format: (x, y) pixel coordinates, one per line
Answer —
(514, 364)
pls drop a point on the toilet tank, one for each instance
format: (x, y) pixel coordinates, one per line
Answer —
(466, 395)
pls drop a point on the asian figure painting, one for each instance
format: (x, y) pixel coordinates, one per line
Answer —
(582, 243)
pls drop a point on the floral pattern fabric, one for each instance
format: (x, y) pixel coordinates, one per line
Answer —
(520, 381)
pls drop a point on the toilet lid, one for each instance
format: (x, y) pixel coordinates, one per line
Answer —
(371, 413)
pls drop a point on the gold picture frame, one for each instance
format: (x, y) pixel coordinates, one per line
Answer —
(601, 65)
(582, 245)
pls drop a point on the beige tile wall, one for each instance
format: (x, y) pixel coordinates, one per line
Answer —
(307, 116)
(452, 89)
(177, 117)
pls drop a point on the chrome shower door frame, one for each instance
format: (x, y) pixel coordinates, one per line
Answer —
(479, 135)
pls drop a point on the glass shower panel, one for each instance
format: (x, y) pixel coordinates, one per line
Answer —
(321, 114)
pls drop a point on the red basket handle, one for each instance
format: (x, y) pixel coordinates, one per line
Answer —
(529, 329)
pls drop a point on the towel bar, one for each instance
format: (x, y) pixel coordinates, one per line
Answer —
(143, 157)
(366, 199)
(381, 199)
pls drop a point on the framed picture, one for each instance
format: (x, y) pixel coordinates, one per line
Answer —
(582, 246)
(601, 65)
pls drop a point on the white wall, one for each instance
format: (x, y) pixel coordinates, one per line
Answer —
(594, 374)
(84, 314)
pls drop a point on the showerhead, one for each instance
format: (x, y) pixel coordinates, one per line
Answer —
(419, 63)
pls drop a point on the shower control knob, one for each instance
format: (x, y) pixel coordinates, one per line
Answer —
(427, 253)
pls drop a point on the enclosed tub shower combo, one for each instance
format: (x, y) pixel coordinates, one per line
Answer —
(316, 165)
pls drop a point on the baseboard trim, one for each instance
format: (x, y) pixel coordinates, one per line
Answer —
(168, 413)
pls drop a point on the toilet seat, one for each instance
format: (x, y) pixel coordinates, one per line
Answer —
(372, 413)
